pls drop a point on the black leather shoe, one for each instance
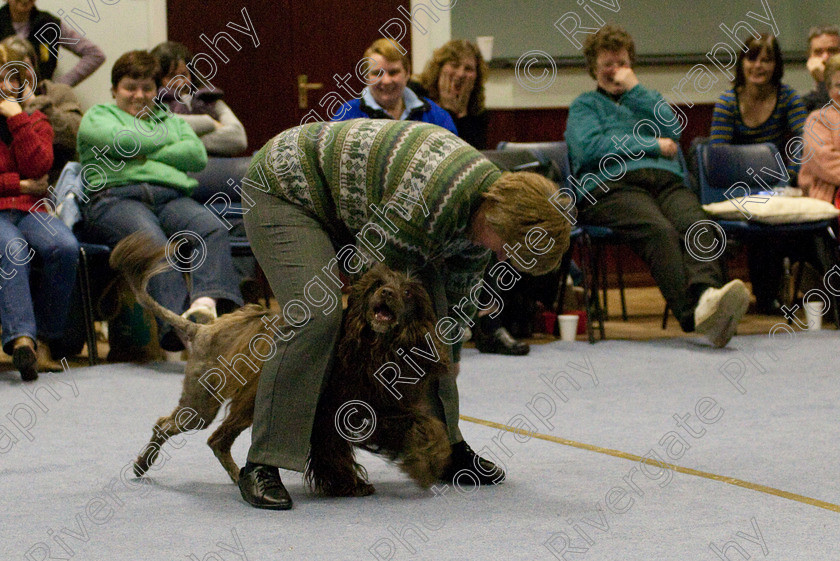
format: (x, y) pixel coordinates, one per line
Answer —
(25, 361)
(501, 342)
(481, 471)
(262, 488)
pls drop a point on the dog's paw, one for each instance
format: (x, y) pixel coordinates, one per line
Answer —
(363, 490)
(140, 469)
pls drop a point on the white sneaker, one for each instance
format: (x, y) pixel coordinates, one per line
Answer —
(719, 310)
(199, 313)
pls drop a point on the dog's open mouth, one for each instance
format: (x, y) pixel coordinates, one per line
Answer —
(383, 318)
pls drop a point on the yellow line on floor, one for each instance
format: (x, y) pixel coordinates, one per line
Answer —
(627, 456)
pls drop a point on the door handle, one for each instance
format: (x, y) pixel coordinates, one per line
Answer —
(303, 90)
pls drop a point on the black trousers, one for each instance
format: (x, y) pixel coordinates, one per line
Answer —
(652, 211)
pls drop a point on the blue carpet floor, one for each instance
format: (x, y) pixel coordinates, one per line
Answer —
(665, 450)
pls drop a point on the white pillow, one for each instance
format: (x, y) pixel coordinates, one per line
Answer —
(776, 209)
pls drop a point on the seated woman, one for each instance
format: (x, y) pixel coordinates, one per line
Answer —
(454, 79)
(25, 157)
(56, 101)
(820, 174)
(760, 108)
(22, 18)
(134, 158)
(387, 96)
(630, 181)
(203, 109)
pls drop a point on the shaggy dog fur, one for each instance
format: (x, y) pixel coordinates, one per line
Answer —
(388, 325)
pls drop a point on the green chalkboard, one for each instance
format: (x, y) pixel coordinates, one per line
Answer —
(666, 31)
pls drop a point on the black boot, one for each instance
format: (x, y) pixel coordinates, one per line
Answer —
(500, 342)
(261, 487)
(481, 471)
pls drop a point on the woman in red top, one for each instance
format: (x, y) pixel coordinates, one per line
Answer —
(27, 231)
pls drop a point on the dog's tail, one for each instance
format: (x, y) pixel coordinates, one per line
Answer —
(139, 257)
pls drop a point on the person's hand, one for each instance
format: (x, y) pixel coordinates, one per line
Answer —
(9, 108)
(216, 124)
(816, 66)
(626, 78)
(452, 98)
(34, 102)
(668, 147)
(36, 187)
(822, 191)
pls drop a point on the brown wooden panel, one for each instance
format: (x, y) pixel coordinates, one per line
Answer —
(319, 38)
(538, 125)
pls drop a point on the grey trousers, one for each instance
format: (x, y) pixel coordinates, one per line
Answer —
(292, 248)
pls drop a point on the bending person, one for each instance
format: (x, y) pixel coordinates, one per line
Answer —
(440, 208)
(632, 182)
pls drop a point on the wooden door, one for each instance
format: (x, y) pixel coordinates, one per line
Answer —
(320, 39)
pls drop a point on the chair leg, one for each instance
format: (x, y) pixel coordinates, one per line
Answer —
(565, 266)
(598, 311)
(589, 274)
(826, 253)
(87, 304)
(620, 266)
(602, 279)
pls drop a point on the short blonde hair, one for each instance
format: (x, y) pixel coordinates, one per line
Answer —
(832, 66)
(520, 206)
(390, 52)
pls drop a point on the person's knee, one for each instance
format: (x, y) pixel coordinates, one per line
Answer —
(661, 234)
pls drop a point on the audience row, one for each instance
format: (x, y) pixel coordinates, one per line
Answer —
(146, 187)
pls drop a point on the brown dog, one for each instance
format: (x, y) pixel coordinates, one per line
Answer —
(386, 359)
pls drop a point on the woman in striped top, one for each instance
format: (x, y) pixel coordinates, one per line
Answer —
(762, 109)
(759, 108)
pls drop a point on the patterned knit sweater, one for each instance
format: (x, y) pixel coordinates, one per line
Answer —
(416, 183)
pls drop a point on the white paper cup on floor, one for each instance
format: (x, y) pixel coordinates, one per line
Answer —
(485, 47)
(814, 311)
(568, 327)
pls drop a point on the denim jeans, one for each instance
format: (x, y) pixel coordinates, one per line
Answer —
(161, 212)
(45, 315)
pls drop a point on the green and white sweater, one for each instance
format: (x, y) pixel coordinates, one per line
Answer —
(415, 178)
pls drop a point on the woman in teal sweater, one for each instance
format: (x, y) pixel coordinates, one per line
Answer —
(134, 157)
(623, 148)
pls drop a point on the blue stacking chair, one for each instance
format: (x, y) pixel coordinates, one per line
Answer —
(720, 166)
(554, 157)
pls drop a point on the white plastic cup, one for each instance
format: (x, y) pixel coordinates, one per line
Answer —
(568, 326)
(485, 47)
(814, 311)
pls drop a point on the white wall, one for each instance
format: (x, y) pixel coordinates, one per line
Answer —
(124, 26)
(505, 92)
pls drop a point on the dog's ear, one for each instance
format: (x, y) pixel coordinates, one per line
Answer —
(359, 290)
